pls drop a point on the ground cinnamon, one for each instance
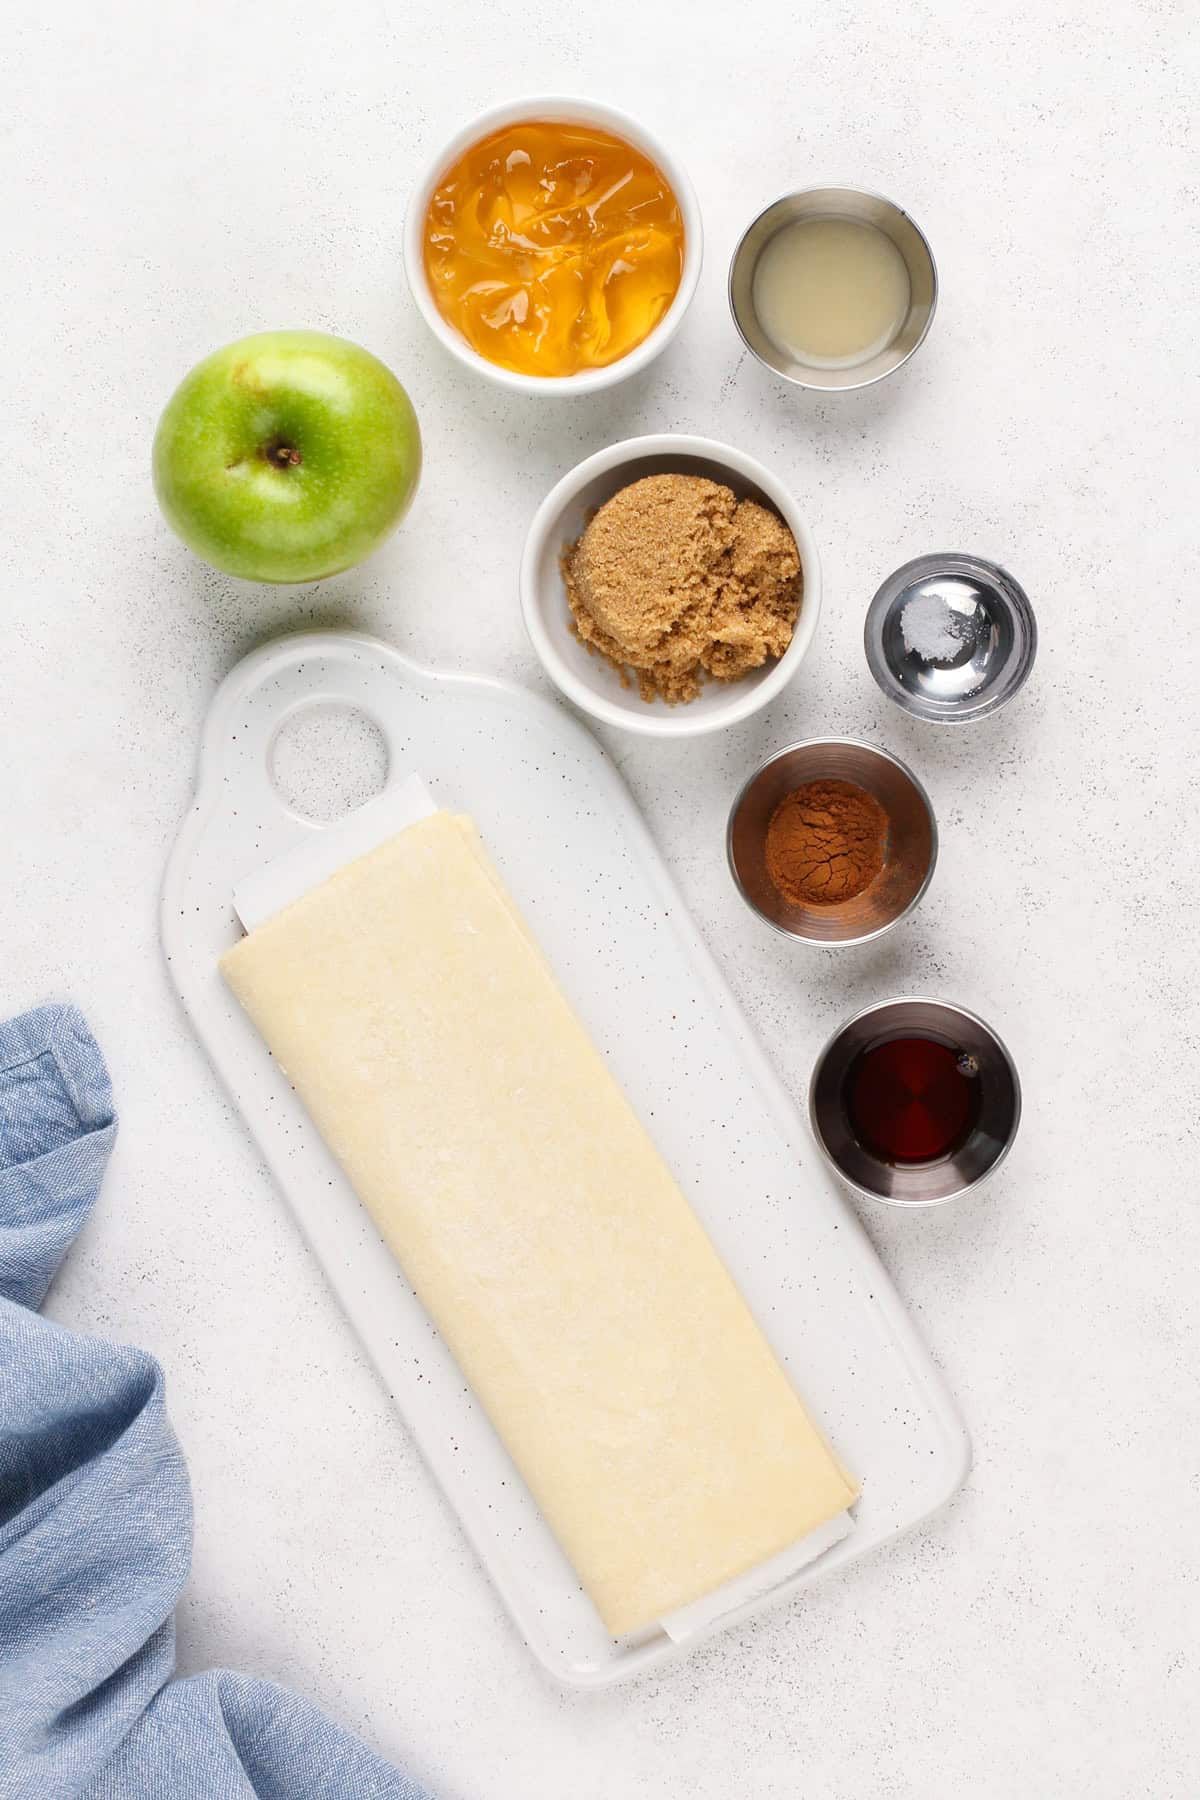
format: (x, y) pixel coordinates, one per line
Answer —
(826, 842)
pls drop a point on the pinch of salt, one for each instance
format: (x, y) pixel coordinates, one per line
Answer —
(931, 629)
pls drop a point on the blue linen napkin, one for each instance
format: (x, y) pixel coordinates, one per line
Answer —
(95, 1511)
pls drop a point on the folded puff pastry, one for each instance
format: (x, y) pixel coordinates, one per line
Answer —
(537, 1223)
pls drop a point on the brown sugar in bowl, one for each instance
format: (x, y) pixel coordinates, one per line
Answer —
(677, 581)
(590, 681)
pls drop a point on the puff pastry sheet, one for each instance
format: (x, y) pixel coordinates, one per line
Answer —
(541, 1230)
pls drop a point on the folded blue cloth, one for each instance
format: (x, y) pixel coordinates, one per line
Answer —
(95, 1511)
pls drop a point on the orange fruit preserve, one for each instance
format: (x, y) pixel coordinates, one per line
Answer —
(553, 248)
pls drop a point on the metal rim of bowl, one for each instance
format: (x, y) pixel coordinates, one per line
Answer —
(845, 187)
(878, 1006)
(867, 937)
(952, 562)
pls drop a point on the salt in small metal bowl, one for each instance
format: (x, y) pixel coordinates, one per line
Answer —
(989, 632)
(838, 203)
(911, 843)
(944, 1178)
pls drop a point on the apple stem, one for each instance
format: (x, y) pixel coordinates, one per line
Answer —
(284, 456)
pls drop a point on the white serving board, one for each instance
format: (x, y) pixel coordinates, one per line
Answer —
(572, 847)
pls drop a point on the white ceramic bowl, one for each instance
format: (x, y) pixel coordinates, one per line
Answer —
(591, 682)
(564, 108)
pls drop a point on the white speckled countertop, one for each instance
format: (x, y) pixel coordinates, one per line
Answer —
(178, 176)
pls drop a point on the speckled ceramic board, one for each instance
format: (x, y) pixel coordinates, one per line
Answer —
(572, 848)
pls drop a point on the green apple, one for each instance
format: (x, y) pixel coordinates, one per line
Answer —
(287, 456)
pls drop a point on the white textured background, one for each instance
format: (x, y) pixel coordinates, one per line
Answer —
(178, 175)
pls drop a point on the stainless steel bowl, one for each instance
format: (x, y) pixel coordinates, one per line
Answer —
(838, 203)
(916, 1184)
(911, 843)
(985, 645)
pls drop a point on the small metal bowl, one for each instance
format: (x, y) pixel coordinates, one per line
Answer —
(911, 842)
(837, 203)
(916, 1184)
(990, 637)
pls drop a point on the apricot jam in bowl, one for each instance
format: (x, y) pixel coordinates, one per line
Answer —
(553, 245)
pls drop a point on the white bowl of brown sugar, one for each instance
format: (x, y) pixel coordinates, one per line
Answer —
(670, 586)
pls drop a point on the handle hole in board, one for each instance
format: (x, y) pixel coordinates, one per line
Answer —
(326, 760)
